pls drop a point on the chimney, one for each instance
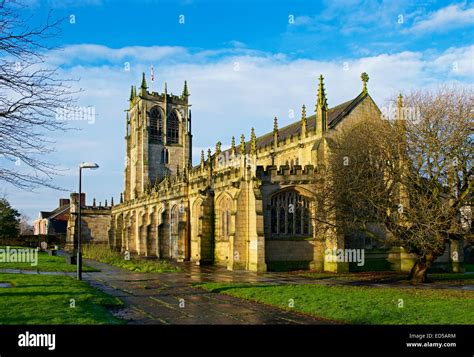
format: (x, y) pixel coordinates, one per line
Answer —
(64, 202)
(75, 196)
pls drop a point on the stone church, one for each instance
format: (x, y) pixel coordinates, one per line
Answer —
(250, 207)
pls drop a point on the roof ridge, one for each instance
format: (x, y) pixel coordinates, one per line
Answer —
(346, 103)
(349, 103)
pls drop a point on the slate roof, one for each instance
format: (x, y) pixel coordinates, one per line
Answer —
(44, 214)
(54, 213)
(335, 115)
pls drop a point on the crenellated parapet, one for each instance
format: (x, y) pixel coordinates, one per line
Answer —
(170, 98)
(199, 179)
(161, 97)
(286, 173)
(170, 187)
(227, 177)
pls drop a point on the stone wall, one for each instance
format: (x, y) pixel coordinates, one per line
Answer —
(291, 250)
(95, 227)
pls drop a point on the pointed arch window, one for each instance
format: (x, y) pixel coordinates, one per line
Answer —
(225, 208)
(174, 219)
(290, 215)
(172, 128)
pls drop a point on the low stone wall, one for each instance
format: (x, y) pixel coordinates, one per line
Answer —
(397, 259)
(375, 260)
(306, 254)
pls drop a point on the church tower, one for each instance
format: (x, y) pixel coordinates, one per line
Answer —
(158, 137)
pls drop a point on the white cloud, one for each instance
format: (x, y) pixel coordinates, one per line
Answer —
(87, 53)
(447, 18)
(459, 61)
(225, 101)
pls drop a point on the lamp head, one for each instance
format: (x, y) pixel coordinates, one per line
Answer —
(89, 165)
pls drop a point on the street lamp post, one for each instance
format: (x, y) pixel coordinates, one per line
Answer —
(84, 165)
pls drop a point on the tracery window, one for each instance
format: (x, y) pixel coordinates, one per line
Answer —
(174, 219)
(172, 128)
(156, 125)
(225, 208)
(273, 220)
(290, 214)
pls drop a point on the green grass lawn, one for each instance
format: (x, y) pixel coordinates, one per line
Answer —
(46, 299)
(379, 277)
(361, 305)
(362, 276)
(46, 262)
(103, 254)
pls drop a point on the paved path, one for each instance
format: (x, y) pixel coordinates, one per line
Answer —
(169, 298)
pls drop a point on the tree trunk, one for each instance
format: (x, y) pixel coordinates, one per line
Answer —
(419, 272)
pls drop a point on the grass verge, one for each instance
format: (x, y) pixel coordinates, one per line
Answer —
(103, 254)
(48, 299)
(381, 277)
(46, 263)
(361, 305)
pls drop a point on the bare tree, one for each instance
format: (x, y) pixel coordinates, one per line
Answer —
(25, 227)
(31, 95)
(407, 181)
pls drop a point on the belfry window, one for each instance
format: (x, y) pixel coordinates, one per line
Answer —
(156, 125)
(172, 128)
(290, 214)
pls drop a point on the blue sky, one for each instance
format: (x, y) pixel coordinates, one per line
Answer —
(277, 47)
(320, 30)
